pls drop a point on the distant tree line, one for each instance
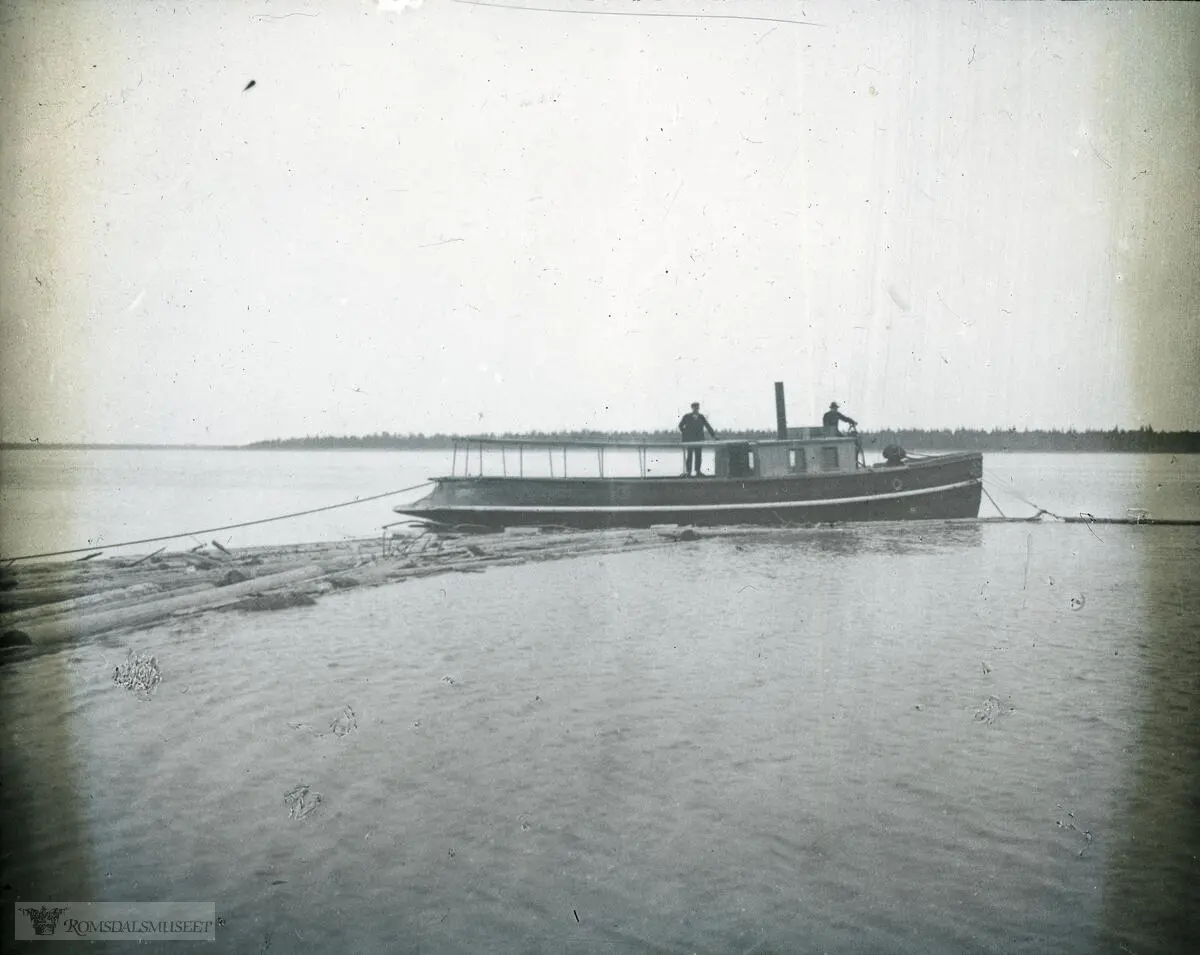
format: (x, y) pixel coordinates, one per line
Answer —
(1144, 439)
(383, 440)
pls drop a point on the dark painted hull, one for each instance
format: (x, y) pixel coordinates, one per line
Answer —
(940, 488)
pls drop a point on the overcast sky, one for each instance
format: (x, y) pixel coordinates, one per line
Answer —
(454, 216)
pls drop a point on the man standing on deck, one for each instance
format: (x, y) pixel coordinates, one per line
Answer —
(693, 425)
(832, 417)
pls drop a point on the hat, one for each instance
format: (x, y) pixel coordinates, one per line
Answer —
(833, 404)
(695, 404)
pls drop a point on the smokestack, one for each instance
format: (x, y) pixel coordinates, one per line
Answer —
(780, 412)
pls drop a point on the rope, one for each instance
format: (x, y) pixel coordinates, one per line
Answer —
(223, 527)
(1001, 486)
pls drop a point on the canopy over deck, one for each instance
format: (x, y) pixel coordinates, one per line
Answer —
(805, 450)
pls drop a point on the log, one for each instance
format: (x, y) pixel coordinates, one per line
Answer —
(72, 626)
(580, 546)
(58, 591)
(66, 585)
(36, 615)
(1157, 521)
(112, 595)
(146, 557)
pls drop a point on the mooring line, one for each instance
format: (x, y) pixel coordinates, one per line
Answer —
(223, 527)
(993, 500)
(1000, 485)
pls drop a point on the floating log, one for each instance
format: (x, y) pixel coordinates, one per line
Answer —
(278, 600)
(146, 557)
(57, 591)
(505, 554)
(196, 560)
(113, 595)
(1158, 521)
(38, 615)
(71, 626)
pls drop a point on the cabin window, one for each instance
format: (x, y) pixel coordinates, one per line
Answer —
(797, 461)
(829, 458)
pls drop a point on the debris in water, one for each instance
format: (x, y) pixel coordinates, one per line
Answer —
(139, 673)
(344, 723)
(1066, 820)
(991, 710)
(301, 802)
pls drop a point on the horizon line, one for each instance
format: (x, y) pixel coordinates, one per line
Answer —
(33, 444)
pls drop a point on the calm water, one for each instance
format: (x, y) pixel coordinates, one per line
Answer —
(877, 738)
(56, 500)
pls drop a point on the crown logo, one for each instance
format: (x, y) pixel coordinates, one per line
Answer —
(45, 920)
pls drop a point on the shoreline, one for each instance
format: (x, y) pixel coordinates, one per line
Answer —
(870, 440)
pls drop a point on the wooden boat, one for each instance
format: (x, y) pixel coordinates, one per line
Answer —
(803, 476)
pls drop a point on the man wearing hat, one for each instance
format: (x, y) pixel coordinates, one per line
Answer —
(693, 425)
(832, 417)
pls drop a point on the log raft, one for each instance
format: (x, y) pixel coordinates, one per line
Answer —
(45, 605)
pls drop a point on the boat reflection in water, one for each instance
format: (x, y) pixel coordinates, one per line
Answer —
(894, 539)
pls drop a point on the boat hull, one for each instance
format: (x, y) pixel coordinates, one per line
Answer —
(942, 488)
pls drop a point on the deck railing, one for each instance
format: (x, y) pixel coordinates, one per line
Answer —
(533, 457)
(510, 457)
